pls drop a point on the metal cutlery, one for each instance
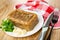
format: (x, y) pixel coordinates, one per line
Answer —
(53, 21)
(45, 26)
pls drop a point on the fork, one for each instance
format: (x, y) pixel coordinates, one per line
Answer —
(53, 22)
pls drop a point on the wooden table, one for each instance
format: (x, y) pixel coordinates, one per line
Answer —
(4, 36)
(8, 5)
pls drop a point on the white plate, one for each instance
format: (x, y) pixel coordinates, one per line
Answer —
(36, 28)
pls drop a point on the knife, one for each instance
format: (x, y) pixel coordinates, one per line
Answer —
(45, 26)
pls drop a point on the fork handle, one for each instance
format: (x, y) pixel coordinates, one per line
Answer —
(50, 33)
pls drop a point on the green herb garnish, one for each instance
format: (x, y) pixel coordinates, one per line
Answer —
(7, 25)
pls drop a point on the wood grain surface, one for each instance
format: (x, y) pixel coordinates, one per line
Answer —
(4, 36)
(8, 5)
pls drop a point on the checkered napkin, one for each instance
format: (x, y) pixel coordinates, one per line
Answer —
(39, 6)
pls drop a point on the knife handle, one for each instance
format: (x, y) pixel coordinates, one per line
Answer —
(44, 30)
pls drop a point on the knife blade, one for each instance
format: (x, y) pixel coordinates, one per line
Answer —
(48, 20)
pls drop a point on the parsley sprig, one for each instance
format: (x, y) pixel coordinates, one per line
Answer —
(7, 25)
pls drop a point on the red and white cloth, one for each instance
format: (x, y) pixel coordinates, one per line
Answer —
(39, 6)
